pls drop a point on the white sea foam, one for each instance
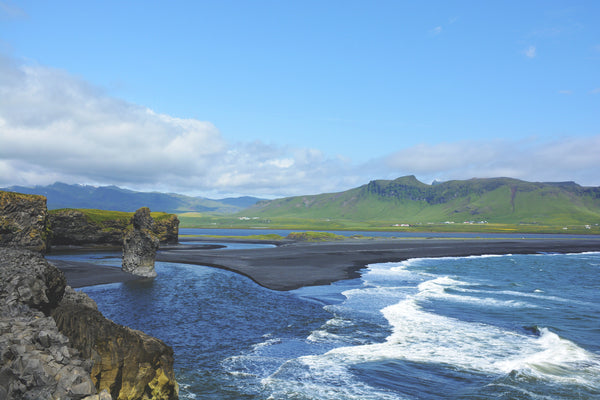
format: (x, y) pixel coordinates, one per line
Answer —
(535, 295)
(437, 289)
(554, 358)
(421, 336)
(321, 377)
(426, 337)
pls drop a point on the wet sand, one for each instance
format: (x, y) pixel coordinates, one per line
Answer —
(292, 265)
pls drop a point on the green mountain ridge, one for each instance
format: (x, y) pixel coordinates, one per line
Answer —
(407, 200)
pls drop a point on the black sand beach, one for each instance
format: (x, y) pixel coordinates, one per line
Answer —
(293, 265)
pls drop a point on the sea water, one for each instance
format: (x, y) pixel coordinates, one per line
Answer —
(487, 327)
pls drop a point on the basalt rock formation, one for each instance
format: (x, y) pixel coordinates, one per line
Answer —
(54, 343)
(140, 245)
(36, 360)
(24, 221)
(127, 363)
(97, 227)
(73, 227)
(167, 229)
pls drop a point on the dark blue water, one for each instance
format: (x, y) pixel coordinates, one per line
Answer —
(398, 234)
(496, 327)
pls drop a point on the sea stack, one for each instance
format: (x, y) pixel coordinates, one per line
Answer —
(140, 245)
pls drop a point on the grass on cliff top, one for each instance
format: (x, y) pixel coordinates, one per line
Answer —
(101, 216)
(9, 196)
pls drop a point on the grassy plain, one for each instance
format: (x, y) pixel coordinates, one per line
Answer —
(215, 221)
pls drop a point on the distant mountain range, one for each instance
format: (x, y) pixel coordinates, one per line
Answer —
(62, 195)
(406, 200)
(403, 200)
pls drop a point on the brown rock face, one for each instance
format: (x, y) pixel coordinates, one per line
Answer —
(24, 221)
(127, 363)
(140, 245)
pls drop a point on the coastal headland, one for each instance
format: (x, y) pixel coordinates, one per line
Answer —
(292, 265)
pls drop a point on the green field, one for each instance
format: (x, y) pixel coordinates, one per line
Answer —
(197, 220)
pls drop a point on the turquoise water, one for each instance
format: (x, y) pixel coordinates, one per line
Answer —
(490, 327)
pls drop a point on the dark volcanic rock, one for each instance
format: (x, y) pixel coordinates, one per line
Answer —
(36, 360)
(27, 278)
(140, 245)
(55, 344)
(127, 363)
(24, 221)
(167, 229)
(73, 227)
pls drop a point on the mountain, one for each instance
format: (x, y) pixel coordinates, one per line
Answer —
(501, 200)
(62, 195)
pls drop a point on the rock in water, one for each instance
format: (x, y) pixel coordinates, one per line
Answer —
(140, 245)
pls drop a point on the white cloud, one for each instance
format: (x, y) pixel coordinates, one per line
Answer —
(55, 122)
(533, 159)
(595, 91)
(530, 52)
(566, 92)
(55, 127)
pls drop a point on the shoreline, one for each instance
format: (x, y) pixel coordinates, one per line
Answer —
(292, 265)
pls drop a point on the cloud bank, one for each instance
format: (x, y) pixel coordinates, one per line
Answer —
(54, 126)
(57, 127)
(566, 159)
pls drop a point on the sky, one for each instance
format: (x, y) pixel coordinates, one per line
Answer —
(281, 98)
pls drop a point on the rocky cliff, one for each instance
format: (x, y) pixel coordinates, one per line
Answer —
(54, 343)
(99, 227)
(24, 221)
(73, 227)
(127, 363)
(166, 228)
(140, 245)
(36, 360)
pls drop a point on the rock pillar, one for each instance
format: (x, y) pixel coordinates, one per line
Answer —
(140, 245)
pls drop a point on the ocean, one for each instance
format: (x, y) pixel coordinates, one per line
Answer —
(485, 327)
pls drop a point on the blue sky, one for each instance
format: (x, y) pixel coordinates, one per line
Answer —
(277, 98)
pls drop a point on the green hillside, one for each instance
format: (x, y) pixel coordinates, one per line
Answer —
(406, 200)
